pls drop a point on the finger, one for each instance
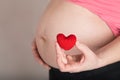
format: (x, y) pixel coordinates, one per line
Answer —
(33, 44)
(61, 54)
(47, 67)
(70, 59)
(37, 56)
(60, 62)
(69, 67)
(35, 51)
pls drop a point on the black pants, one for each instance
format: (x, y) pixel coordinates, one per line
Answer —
(109, 72)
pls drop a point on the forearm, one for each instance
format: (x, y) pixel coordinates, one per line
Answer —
(109, 53)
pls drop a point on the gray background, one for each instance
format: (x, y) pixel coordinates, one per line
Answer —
(18, 22)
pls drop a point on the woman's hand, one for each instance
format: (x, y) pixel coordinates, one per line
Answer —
(37, 55)
(87, 60)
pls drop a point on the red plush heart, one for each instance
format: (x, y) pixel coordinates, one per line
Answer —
(66, 42)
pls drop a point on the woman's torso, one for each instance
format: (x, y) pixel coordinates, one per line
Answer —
(67, 18)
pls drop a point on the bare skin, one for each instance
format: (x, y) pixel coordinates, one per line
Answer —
(65, 17)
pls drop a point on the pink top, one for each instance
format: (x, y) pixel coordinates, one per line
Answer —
(108, 10)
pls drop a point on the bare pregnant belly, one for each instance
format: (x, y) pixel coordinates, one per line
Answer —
(68, 18)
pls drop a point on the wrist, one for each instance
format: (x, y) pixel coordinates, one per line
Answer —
(102, 60)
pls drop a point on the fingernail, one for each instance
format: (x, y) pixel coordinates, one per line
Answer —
(64, 61)
(41, 63)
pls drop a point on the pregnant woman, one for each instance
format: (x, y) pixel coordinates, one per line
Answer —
(96, 25)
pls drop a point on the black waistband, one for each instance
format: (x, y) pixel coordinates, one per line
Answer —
(109, 72)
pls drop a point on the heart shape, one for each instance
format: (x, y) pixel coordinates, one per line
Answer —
(66, 42)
